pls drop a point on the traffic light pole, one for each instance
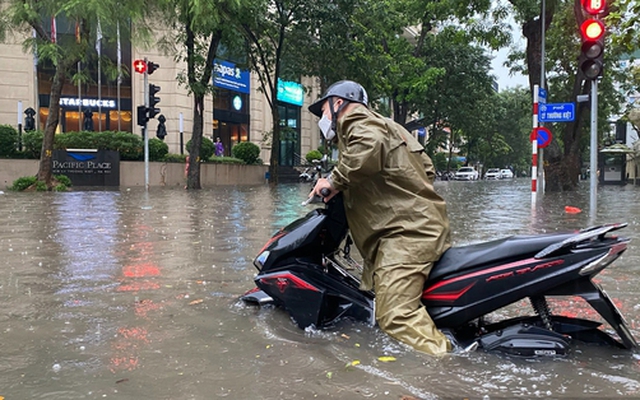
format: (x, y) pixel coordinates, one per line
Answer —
(146, 131)
(593, 159)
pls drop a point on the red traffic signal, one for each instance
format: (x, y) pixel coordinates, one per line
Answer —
(140, 66)
(592, 29)
(594, 7)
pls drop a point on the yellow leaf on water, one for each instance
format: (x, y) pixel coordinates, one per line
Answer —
(192, 303)
(345, 336)
(352, 363)
(387, 358)
(329, 375)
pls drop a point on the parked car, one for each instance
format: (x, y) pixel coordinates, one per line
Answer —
(492, 173)
(466, 174)
(506, 174)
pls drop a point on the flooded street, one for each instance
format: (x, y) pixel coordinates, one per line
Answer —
(133, 295)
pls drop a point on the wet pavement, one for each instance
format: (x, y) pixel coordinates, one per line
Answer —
(129, 295)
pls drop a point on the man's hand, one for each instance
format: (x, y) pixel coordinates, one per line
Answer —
(321, 184)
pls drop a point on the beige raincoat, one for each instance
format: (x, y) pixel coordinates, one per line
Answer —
(397, 220)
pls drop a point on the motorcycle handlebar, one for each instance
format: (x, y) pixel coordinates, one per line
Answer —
(313, 199)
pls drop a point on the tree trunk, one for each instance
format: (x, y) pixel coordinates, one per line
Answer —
(563, 169)
(275, 144)
(44, 172)
(193, 173)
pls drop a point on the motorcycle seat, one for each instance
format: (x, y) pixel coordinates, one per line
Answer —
(501, 251)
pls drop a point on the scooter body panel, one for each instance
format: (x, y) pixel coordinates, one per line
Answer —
(299, 271)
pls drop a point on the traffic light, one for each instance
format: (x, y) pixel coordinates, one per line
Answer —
(142, 115)
(592, 31)
(153, 100)
(151, 66)
(140, 66)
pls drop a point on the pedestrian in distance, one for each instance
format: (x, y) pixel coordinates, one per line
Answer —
(397, 220)
(219, 148)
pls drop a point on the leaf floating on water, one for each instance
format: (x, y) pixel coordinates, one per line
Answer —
(118, 381)
(194, 302)
(329, 375)
(345, 336)
(352, 363)
(387, 359)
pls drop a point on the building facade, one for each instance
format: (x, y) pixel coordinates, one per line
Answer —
(238, 111)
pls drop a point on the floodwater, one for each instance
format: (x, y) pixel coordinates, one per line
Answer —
(129, 295)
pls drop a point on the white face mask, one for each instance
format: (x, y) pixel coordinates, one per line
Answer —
(325, 127)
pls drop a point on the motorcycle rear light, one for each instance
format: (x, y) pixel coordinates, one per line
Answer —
(261, 259)
(597, 265)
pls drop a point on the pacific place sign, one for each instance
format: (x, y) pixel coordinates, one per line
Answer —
(88, 167)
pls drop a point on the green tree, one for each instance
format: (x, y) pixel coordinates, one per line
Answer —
(200, 26)
(563, 158)
(268, 26)
(65, 52)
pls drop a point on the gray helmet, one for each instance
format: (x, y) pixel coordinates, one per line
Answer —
(348, 90)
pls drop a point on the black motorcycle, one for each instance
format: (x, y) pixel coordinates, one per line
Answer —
(306, 269)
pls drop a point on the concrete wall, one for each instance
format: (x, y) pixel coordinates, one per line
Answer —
(160, 174)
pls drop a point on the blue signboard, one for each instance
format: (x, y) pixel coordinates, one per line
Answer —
(227, 76)
(290, 92)
(557, 112)
(542, 95)
(422, 132)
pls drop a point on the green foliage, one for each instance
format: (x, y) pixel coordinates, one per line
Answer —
(63, 180)
(247, 151)
(439, 161)
(207, 149)
(22, 183)
(8, 140)
(225, 160)
(32, 143)
(157, 149)
(313, 155)
(175, 158)
(129, 145)
(41, 186)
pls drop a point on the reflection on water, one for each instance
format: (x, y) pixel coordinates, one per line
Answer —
(122, 294)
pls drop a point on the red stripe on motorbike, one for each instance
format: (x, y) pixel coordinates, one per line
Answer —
(447, 296)
(480, 273)
(273, 239)
(282, 281)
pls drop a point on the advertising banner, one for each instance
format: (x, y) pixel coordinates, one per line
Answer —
(227, 76)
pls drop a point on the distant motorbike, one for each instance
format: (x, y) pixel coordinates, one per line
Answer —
(307, 270)
(311, 173)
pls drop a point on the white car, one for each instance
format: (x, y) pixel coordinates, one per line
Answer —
(492, 173)
(506, 174)
(466, 174)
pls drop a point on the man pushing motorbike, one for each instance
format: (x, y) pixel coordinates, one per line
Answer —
(397, 220)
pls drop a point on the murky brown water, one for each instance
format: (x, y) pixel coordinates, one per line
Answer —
(120, 294)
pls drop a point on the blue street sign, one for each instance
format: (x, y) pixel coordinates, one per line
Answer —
(542, 95)
(557, 112)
